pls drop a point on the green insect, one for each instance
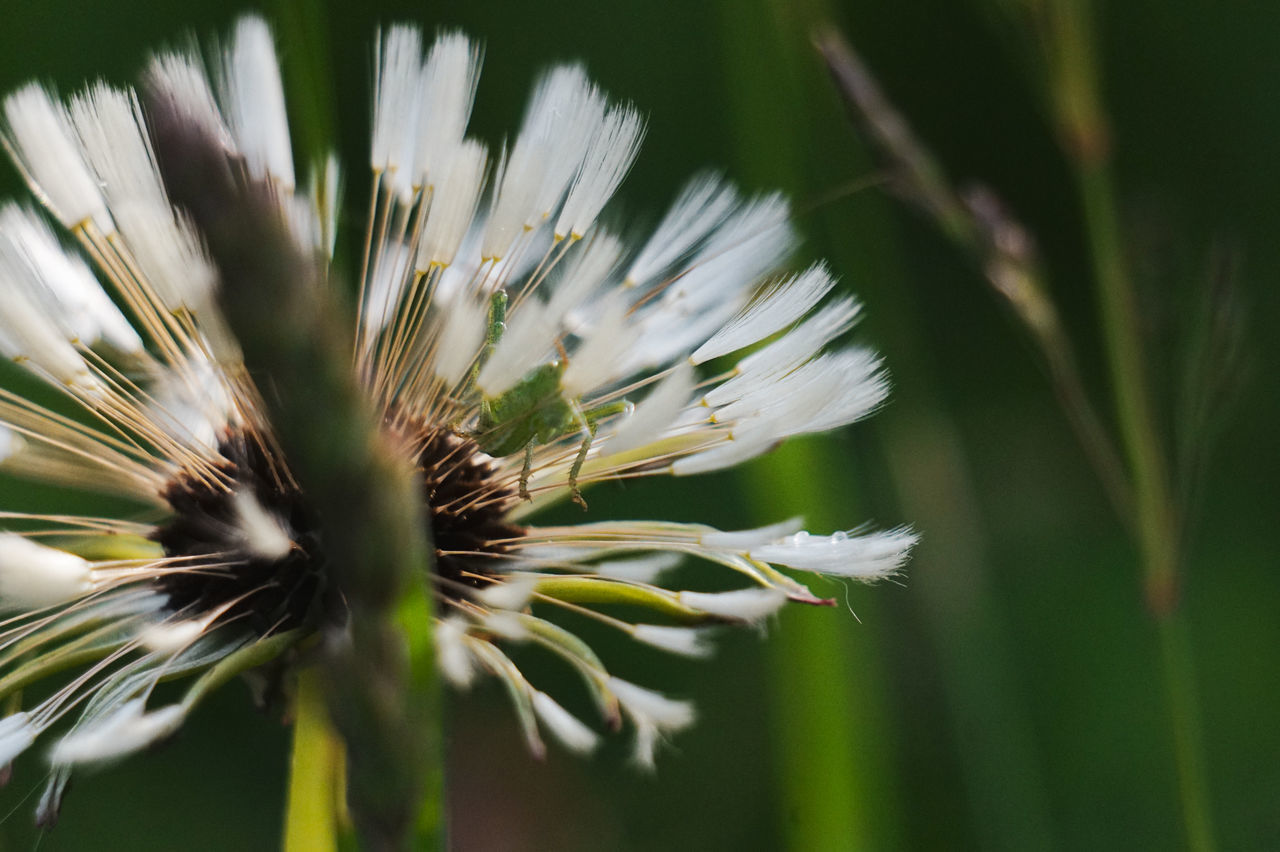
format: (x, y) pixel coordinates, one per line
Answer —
(535, 410)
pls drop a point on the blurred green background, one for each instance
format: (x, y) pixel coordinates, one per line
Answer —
(1007, 694)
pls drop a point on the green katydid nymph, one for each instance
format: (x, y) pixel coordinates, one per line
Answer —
(535, 410)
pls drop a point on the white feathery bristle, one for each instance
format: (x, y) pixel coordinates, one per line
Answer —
(775, 309)
(449, 80)
(194, 406)
(743, 540)
(253, 95)
(505, 624)
(41, 139)
(584, 275)
(170, 255)
(668, 714)
(180, 77)
(512, 593)
(863, 557)
(16, 736)
(805, 340)
(654, 413)
(597, 359)
(861, 387)
(455, 659)
(515, 190)
(566, 114)
(566, 727)
(127, 729)
(86, 312)
(325, 190)
(607, 162)
(748, 605)
(752, 243)
(460, 339)
(453, 205)
(685, 641)
(701, 207)
(261, 532)
(11, 443)
(529, 335)
(27, 331)
(641, 569)
(723, 456)
(796, 398)
(563, 116)
(396, 102)
(33, 576)
(111, 129)
(832, 390)
(386, 285)
(169, 637)
(110, 125)
(787, 352)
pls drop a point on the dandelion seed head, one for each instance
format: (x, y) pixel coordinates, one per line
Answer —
(514, 350)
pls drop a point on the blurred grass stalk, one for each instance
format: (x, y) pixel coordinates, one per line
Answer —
(829, 727)
(1074, 89)
(832, 726)
(976, 222)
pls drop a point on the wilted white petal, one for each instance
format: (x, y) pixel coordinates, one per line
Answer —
(686, 641)
(642, 569)
(739, 604)
(743, 540)
(455, 659)
(669, 714)
(121, 732)
(511, 593)
(33, 576)
(16, 736)
(566, 727)
(505, 624)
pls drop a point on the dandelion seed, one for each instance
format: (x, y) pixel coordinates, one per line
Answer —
(516, 351)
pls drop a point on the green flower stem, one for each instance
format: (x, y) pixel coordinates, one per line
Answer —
(1074, 88)
(315, 773)
(295, 333)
